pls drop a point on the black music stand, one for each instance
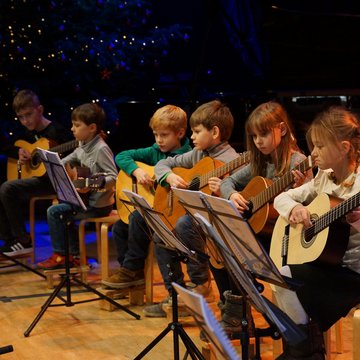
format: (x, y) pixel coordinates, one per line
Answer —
(170, 241)
(245, 259)
(206, 320)
(66, 193)
(6, 349)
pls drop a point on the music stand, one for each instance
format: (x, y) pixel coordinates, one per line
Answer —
(66, 193)
(245, 259)
(171, 242)
(206, 320)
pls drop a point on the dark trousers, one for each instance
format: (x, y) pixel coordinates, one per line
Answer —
(14, 201)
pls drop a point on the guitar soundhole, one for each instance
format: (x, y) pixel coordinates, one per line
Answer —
(35, 160)
(248, 213)
(308, 236)
(195, 184)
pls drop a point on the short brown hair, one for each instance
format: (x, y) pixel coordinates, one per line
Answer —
(24, 99)
(214, 113)
(169, 116)
(90, 113)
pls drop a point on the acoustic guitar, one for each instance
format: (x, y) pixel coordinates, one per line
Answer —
(261, 191)
(325, 241)
(198, 176)
(34, 167)
(127, 182)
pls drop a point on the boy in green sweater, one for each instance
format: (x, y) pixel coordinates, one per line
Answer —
(169, 125)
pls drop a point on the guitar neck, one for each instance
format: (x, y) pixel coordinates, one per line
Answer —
(279, 185)
(335, 213)
(225, 169)
(65, 147)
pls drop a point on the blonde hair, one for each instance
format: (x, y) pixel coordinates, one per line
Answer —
(90, 113)
(24, 99)
(264, 118)
(169, 117)
(334, 125)
(214, 113)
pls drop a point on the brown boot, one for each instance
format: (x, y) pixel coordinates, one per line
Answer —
(232, 316)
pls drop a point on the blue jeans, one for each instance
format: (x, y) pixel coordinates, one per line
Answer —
(61, 220)
(132, 241)
(190, 234)
(14, 200)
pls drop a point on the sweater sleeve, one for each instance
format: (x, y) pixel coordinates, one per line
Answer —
(125, 160)
(164, 167)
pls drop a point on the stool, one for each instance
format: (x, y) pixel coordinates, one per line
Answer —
(102, 225)
(136, 293)
(102, 236)
(83, 270)
(33, 200)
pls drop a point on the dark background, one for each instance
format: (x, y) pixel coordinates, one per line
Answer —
(300, 52)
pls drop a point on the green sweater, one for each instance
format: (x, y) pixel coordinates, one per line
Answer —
(125, 160)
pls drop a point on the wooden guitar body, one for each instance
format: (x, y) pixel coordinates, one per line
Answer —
(32, 167)
(124, 181)
(167, 203)
(308, 245)
(262, 218)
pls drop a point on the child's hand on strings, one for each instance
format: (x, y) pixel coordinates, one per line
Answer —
(176, 181)
(299, 178)
(300, 214)
(142, 177)
(240, 202)
(214, 185)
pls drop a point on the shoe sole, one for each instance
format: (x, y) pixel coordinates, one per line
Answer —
(123, 285)
(146, 314)
(18, 252)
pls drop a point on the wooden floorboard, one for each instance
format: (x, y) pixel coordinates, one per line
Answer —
(88, 332)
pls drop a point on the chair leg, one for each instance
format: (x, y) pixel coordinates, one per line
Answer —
(104, 245)
(149, 275)
(338, 337)
(356, 334)
(82, 245)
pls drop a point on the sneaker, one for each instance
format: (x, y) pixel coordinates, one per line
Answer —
(17, 248)
(125, 278)
(55, 261)
(156, 310)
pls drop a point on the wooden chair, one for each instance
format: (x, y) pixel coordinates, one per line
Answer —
(32, 204)
(103, 225)
(356, 334)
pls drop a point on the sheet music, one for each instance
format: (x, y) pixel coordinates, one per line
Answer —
(206, 320)
(63, 186)
(231, 225)
(273, 314)
(157, 224)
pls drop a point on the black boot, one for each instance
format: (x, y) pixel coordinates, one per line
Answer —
(312, 348)
(232, 316)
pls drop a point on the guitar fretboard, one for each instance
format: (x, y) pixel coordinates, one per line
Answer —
(220, 171)
(334, 214)
(279, 185)
(65, 147)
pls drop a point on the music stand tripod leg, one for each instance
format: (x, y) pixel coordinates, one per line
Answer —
(177, 329)
(66, 281)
